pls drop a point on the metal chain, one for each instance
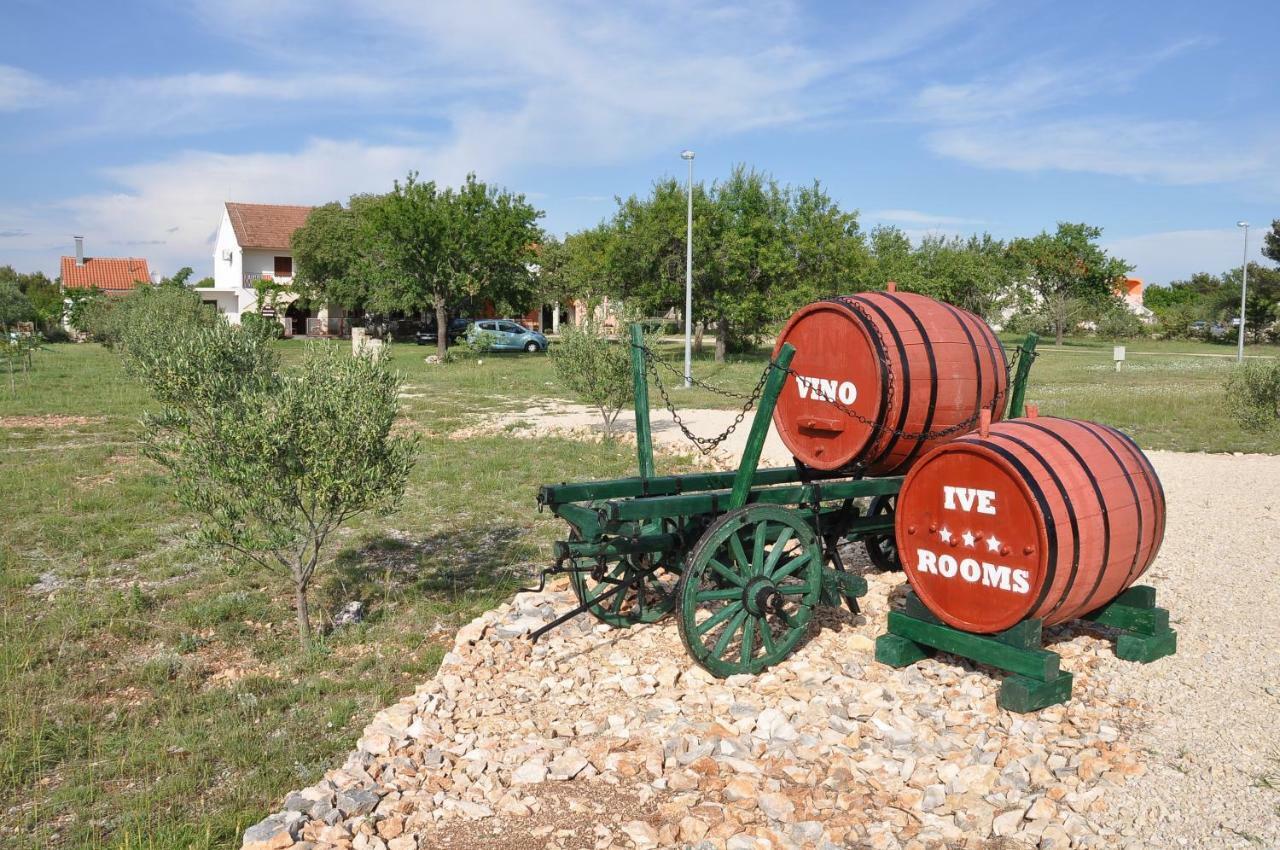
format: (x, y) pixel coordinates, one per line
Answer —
(708, 444)
(705, 445)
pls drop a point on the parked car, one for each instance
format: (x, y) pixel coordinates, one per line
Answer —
(505, 335)
(457, 330)
(1199, 327)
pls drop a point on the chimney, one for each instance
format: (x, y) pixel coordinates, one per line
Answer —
(80, 251)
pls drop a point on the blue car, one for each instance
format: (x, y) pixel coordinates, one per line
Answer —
(505, 335)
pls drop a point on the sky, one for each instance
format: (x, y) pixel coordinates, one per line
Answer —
(132, 122)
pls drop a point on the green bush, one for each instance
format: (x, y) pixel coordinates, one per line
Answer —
(14, 306)
(255, 323)
(1120, 323)
(273, 463)
(144, 319)
(596, 369)
(1253, 394)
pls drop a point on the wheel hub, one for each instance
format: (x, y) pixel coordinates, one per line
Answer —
(760, 596)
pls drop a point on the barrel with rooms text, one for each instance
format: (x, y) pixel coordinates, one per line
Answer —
(879, 378)
(1040, 517)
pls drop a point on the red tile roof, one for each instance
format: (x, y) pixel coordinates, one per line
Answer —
(266, 225)
(117, 274)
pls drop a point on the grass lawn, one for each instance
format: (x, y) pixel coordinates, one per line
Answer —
(152, 695)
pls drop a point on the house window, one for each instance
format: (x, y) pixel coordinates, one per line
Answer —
(284, 267)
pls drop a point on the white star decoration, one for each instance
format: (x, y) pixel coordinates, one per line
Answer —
(993, 544)
(967, 537)
(945, 535)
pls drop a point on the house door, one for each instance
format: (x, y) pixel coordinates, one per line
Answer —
(298, 317)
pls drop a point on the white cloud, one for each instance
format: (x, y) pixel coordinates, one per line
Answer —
(21, 89)
(169, 210)
(1012, 120)
(1169, 152)
(918, 217)
(1177, 254)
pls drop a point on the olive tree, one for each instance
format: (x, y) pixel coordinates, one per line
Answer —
(596, 369)
(273, 462)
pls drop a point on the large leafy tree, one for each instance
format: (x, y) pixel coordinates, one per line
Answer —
(334, 260)
(831, 256)
(577, 267)
(1262, 300)
(1068, 270)
(437, 246)
(1271, 242)
(759, 250)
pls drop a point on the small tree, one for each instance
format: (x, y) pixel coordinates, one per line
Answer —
(274, 462)
(1253, 394)
(595, 369)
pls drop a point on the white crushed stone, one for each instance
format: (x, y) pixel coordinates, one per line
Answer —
(600, 738)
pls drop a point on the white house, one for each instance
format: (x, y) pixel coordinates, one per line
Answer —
(253, 245)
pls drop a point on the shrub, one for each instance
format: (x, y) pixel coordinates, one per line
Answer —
(273, 463)
(270, 328)
(1120, 323)
(14, 306)
(595, 369)
(1253, 394)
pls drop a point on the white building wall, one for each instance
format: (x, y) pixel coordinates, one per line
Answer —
(226, 256)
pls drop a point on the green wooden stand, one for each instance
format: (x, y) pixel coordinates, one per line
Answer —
(1035, 679)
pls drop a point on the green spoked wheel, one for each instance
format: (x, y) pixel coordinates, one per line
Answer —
(651, 579)
(882, 549)
(749, 589)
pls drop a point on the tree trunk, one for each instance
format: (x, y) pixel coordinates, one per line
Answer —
(722, 338)
(698, 328)
(1060, 328)
(304, 617)
(442, 328)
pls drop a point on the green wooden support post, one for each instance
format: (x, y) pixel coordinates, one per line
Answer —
(760, 427)
(1018, 392)
(644, 435)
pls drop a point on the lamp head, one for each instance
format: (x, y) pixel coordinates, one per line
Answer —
(1242, 224)
(686, 154)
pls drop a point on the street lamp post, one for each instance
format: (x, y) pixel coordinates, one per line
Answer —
(687, 156)
(1244, 288)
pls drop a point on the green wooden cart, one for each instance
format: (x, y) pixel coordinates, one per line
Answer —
(745, 556)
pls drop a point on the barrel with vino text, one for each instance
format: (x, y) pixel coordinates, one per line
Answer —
(1040, 517)
(880, 378)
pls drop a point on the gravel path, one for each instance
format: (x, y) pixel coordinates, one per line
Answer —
(598, 738)
(1211, 734)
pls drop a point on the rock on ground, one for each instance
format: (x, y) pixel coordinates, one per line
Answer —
(596, 738)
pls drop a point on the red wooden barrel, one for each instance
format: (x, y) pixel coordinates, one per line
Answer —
(914, 372)
(1043, 517)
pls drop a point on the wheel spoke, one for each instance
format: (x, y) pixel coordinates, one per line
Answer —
(794, 589)
(726, 573)
(616, 605)
(722, 593)
(718, 617)
(757, 550)
(779, 548)
(748, 640)
(728, 633)
(639, 609)
(791, 567)
(766, 637)
(739, 554)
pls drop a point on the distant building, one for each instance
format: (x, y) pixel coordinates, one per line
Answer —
(1130, 291)
(254, 245)
(112, 275)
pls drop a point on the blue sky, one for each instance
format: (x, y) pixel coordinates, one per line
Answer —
(131, 122)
